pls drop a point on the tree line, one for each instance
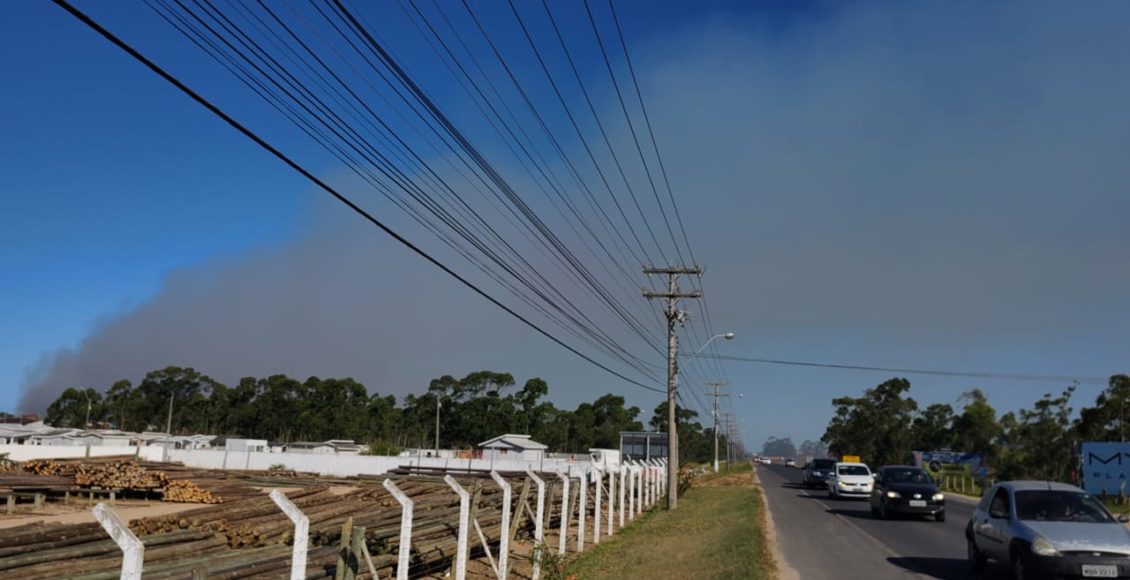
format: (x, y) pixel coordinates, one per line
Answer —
(279, 408)
(885, 425)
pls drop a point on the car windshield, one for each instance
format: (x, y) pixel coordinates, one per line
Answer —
(906, 476)
(1060, 506)
(853, 470)
(823, 464)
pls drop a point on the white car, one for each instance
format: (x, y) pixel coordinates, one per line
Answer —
(850, 480)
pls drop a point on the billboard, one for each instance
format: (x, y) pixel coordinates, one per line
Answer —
(942, 463)
(1105, 467)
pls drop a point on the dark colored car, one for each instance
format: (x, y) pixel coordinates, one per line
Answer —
(907, 490)
(816, 472)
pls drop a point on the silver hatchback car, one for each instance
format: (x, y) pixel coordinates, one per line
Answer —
(1048, 530)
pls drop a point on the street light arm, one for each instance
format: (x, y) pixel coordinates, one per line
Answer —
(727, 336)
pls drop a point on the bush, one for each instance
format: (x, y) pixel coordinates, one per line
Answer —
(382, 447)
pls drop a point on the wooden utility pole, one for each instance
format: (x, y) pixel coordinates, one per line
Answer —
(438, 405)
(717, 394)
(672, 295)
(169, 421)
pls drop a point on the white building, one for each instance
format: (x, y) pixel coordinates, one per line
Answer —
(62, 437)
(102, 438)
(511, 446)
(233, 444)
(333, 446)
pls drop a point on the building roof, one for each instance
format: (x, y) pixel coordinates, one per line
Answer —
(307, 445)
(512, 441)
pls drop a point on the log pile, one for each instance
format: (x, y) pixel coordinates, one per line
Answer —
(119, 475)
(184, 491)
(250, 537)
(43, 467)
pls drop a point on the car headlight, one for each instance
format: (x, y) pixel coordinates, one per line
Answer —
(841, 484)
(939, 496)
(893, 494)
(1043, 547)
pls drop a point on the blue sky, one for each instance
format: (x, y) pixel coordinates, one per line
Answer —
(936, 187)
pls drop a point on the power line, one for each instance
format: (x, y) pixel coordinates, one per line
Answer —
(967, 374)
(105, 33)
(344, 132)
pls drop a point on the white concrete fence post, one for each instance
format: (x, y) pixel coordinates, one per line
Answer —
(639, 489)
(405, 548)
(539, 519)
(301, 533)
(611, 498)
(652, 466)
(623, 469)
(504, 543)
(582, 503)
(464, 525)
(631, 492)
(133, 551)
(564, 512)
(598, 478)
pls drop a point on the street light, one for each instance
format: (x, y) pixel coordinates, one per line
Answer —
(727, 336)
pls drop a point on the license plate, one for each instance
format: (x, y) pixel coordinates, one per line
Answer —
(917, 503)
(1093, 571)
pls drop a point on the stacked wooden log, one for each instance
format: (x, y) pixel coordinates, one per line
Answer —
(120, 475)
(184, 491)
(249, 537)
(43, 467)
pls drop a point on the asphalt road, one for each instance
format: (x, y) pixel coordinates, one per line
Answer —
(839, 539)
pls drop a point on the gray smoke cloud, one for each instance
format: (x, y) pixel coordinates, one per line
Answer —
(946, 174)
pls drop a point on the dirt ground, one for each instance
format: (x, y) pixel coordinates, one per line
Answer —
(80, 512)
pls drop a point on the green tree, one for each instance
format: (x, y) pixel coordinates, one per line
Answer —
(1037, 442)
(933, 428)
(1106, 420)
(976, 430)
(76, 408)
(775, 447)
(875, 426)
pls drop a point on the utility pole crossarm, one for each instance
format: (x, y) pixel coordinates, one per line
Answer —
(673, 270)
(650, 294)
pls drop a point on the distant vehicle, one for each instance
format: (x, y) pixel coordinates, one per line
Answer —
(1045, 528)
(816, 472)
(790, 463)
(850, 480)
(908, 490)
(767, 461)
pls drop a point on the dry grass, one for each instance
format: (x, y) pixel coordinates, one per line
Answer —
(718, 531)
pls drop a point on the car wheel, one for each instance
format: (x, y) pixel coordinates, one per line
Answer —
(883, 511)
(831, 494)
(976, 559)
(940, 516)
(1020, 565)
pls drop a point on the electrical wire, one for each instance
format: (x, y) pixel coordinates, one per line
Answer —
(910, 371)
(121, 44)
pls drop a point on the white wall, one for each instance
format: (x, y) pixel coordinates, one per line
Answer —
(26, 452)
(334, 465)
(347, 465)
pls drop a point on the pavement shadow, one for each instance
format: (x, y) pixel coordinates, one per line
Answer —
(863, 514)
(950, 568)
(791, 485)
(946, 568)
